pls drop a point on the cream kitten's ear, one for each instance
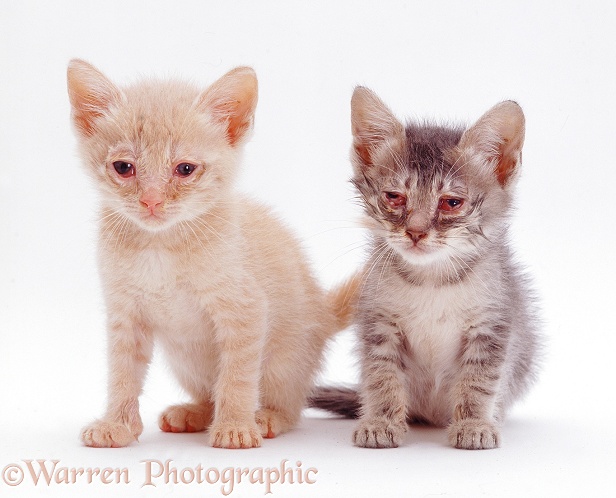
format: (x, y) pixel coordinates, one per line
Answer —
(232, 100)
(372, 124)
(499, 136)
(90, 93)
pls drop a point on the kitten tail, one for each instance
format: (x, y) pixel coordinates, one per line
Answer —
(339, 400)
(343, 300)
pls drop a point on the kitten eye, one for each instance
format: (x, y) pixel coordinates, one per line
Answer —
(394, 199)
(450, 204)
(185, 169)
(124, 169)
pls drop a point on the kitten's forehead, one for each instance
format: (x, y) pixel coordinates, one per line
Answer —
(158, 123)
(423, 160)
(165, 92)
(156, 104)
(427, 148)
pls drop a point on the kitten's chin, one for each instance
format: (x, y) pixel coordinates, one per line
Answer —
(419, 255)
(154, 223)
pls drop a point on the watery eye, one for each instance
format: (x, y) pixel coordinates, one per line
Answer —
(124, 169)
(185, 169)
(394, 199)
(450, 204)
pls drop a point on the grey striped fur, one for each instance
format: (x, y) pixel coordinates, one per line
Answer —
(446, 320)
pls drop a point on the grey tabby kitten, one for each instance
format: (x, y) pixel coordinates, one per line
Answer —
(446, 322)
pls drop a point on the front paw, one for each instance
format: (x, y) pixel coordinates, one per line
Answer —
(235, 435)
(378, 433)
(473, 434)
(185, 418)
(104, 434)
(271, 422)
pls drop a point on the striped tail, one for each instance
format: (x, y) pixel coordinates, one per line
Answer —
(339, 400)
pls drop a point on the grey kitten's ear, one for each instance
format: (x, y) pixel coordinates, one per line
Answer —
(498, 136)
(91, 94)
(372, 124)
(232, 101)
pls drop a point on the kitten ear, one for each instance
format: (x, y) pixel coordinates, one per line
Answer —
(232, 100)
(372, 124)
(498, 136)
(91, 94)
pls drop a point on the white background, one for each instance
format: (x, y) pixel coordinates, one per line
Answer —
(449, 61)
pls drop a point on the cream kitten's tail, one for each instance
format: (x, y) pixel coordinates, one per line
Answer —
(343, 301)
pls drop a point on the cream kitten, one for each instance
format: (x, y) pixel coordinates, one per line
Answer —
(189, 263)
(446, 320)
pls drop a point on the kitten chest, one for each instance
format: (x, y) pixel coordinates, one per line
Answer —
(165, 291)
(433, 320)
(157, 283)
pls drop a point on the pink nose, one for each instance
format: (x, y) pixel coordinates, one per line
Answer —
(416, 236)
(151, 200)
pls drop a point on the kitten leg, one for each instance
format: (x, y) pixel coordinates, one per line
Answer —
(273, 422)
(288, 375)
(384, 401)
(473, 426)
(189, 417)
(130, 351)
(281, 403)
(241, 323)
(288, 378)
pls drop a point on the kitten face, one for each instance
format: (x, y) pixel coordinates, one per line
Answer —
(167, 166)
(422, 205)
(161, 152)
(432, 193)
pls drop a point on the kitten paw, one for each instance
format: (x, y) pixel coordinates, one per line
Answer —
(185, 418)
(271, 422)
(102, 434)
(235, 435)
(473, 434)
(378, 433)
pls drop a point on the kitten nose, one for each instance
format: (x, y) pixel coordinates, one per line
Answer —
(417, 225)
(151, 200)
(416, 236)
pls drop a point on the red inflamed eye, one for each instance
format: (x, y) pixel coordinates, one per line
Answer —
(450, 204)
(124, 168)
(184, 169)
(394, 199)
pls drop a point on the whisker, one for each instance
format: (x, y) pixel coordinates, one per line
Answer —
(322, 232)
(189, 225)
(200, 225)
(114, 228)
(379, 252)
(354, 246)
